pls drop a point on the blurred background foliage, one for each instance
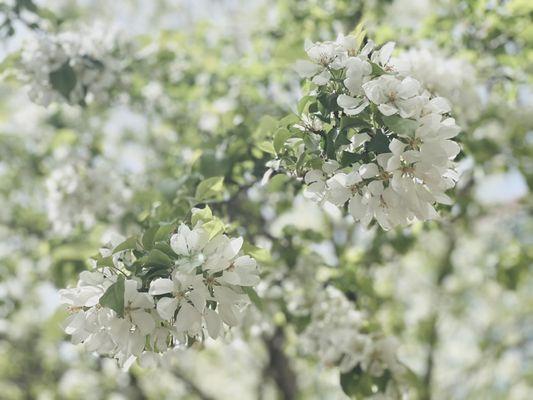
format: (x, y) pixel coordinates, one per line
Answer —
(205, 81)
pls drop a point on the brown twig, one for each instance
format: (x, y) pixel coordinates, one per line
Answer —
(279, 368)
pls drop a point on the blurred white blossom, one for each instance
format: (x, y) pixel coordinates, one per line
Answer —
(79, 193)
(76, 67)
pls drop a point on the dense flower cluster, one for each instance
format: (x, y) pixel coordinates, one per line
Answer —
(453, 78)
(399, 137)
(73, 67)
(338, 334)
(79, 193)
(145, 305)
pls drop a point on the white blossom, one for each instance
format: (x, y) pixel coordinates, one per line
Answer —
(80, 192)
(323, 57)
(202, 292)
(447, 76)
(87, 64)
(393, 95)
(337, 336)
(404, 184)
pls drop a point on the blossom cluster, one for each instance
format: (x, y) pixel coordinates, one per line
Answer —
(451, 77)
(340, 336)
(189, 285)
(397, 135)
(78, 193)
(185, 286)
(73, 67)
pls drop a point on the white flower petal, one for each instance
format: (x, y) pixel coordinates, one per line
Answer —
(166, 307)
(213, 323)
(228, 314)
(387, 109)
(409, 87)
(322, 78)
(440, 105)
(142, 300)
(188, 318)
(358, 139)
(314, 175)
(368, 170)
(385, 52)
(144, 321)
(396, 146)
(198, 299)
(347, 101)
(161, 286)
(306, 69)
(356, 207)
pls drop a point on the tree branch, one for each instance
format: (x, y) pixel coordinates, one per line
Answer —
(279, 368)
(445, 269)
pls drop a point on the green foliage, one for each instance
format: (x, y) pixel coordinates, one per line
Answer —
(209, 188)
(205, 214)
(402, 126)
(379, 143)
(254, 297)
(129, 244)
(357, 384)
(113, 297)
(214, 227)
(64, 79)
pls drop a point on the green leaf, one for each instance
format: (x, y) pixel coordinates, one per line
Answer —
(203, 215)
(313, 108)
(10, 62)
(148, 237)
(92, 62)
(128, 244)
(328, 103)
(157, 258)
(113, 297)
(341, 139)
(399, 125)
(28, 4)
(209, 187)
(379, 144)
(277, 182)
(163, 232)
(300, 162)
(348, 158)
(289, 120)
(262, 256)
(165, 248)
(359, 33)
(330, 143)
(266, 147)
(279, 139)
(304, 101)
(254, 297)
(376, 69)
(267, 125)
(103, 261)
(214, 227)
(356, 384)
(152, 273)
(63, 79)
(353, 122)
